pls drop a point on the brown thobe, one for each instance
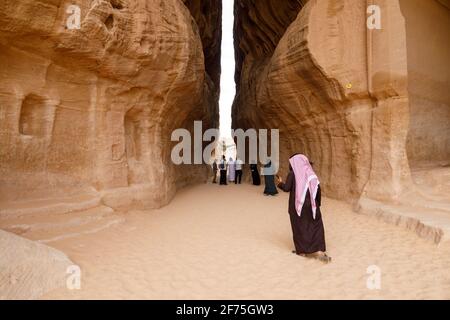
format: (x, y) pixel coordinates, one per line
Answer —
(309, 234)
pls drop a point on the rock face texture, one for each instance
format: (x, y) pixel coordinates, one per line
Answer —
(428, 80)
(91, 110)
(208, 16)
(361, 103)
(29, 269)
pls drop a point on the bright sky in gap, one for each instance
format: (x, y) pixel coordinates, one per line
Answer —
(227, 86)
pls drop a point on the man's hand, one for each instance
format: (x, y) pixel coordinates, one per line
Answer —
(279, 180)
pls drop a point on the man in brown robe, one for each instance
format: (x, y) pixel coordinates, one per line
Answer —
(307, 228)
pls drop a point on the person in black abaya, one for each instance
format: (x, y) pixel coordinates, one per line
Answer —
(215, 168)
(304, 209)
(255, 174)
(223, 172)
(269, 180)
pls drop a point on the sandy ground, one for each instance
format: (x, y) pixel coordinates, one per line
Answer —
(232, 242)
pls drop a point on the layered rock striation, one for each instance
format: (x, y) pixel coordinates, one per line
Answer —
(353, 99)
(91, 110)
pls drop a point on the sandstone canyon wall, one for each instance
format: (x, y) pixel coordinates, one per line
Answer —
(427, 37)
(89, 112)
(338, 91)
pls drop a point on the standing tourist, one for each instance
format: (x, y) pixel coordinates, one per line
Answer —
(223, 171)
(231, 170)
(304, 209)
(215, 169)
(255, 174)
(269, 180)
(239, 166)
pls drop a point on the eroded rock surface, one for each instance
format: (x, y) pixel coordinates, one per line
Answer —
(92, 110)
(29, 269)
(338, 91)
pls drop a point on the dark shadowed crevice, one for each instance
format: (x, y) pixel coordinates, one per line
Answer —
(109, 22)
(208, 17)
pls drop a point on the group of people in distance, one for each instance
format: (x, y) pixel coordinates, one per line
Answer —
(232, 171)
(233, 167)
(305, 199)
